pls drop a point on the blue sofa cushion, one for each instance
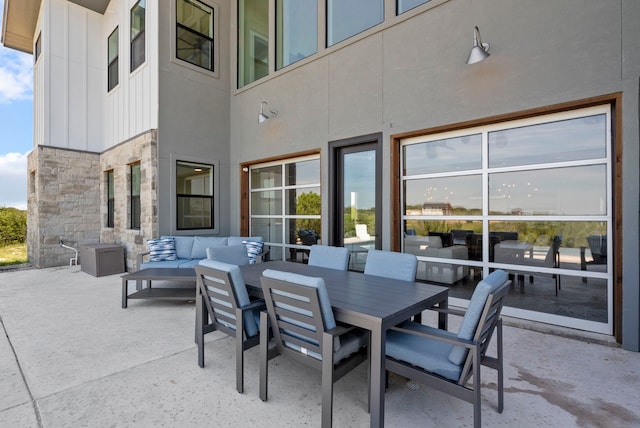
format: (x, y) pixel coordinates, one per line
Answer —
(201, 243)
(240, 288)
(184, 246)
(428, 354)
(389, 264)
(236, 240)
(233, 254)
(474, 311)
(162, 249)
(164, 264)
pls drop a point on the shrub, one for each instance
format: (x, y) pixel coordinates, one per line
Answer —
(13, 226)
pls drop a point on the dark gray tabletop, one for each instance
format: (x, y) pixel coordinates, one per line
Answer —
(162, 273)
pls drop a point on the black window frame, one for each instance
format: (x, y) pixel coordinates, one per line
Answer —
(110, 199)
(188, 196)
(134, 196)
(137, 44)
(199, 34)
(37, 50)
(113, 75)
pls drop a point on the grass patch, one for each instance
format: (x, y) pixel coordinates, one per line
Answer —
(13, 254)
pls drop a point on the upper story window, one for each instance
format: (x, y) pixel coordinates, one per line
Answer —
(194, 33)
(348, 18)
(253, 40)
(134, 193)
(38, 48)
(405, 5)
(296, 30)
(112, 60)
(110, 198)
(137, 35)
(194, 196)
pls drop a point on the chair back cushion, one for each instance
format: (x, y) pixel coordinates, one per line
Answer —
(240, 290)
(232, 254)
(308, 281)
(162, 249)
(201, 243)
(329, 257)
(389, 264)
(474, 311)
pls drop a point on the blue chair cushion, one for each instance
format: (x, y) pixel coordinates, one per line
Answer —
(188, 263)
(474, 311)
(329, 257)
(201, 243)
(240, 288)
(163, 264)
(428, 354)
(389, 264)
(323, 297)
(232, 254)
(162, 249)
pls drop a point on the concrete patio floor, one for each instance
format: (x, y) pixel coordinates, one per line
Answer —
(72, 357)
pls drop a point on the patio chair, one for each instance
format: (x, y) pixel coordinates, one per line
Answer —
(552, 260)
(448, 361)
(223, 304)
(389, 264)
(329, 257)
(598, 248)
(304, 329)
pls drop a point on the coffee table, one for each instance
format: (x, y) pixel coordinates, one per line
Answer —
(160, 274)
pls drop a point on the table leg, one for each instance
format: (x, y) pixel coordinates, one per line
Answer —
(443, 319)
(124, 293)
(377, 373)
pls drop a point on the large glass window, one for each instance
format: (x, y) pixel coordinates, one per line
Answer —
(285, 206)
(296, 30)
(532, 197)
(405, 5)
(112, 60)
(194, 33)
(253, 40)
(346, 18)
(194, 196)
(110, 198)
(134, 191)
(137, 35)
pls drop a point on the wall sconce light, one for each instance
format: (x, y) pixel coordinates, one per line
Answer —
(263, 116)
(479, 51)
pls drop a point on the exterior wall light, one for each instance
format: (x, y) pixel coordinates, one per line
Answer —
(263, 116)
(479, 51)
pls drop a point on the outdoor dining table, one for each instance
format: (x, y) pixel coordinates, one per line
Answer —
(370, 302)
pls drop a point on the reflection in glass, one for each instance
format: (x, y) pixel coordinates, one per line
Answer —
(266, 177)
(267, 202)
(346, 18)
(194, 33)
(359, 190)
(405, 5)
(565, 140)
(269, 228)
(294, 226)
(303, 201)
(253, 37)
(578, 190)
(304, 172)
(449, 155)
(460, 195)
(296, 31)
(582, 244)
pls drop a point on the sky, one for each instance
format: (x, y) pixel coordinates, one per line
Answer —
(16, 124)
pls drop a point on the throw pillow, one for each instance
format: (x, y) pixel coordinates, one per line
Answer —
(254, 249)
(232, 254)
(161, 249)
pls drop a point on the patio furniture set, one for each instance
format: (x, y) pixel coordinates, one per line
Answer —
(324, 316)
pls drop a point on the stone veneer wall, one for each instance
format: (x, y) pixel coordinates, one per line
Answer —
(63, 203)
(142, 149)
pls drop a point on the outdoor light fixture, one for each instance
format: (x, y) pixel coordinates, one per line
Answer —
(263, 116)
(480, 50)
